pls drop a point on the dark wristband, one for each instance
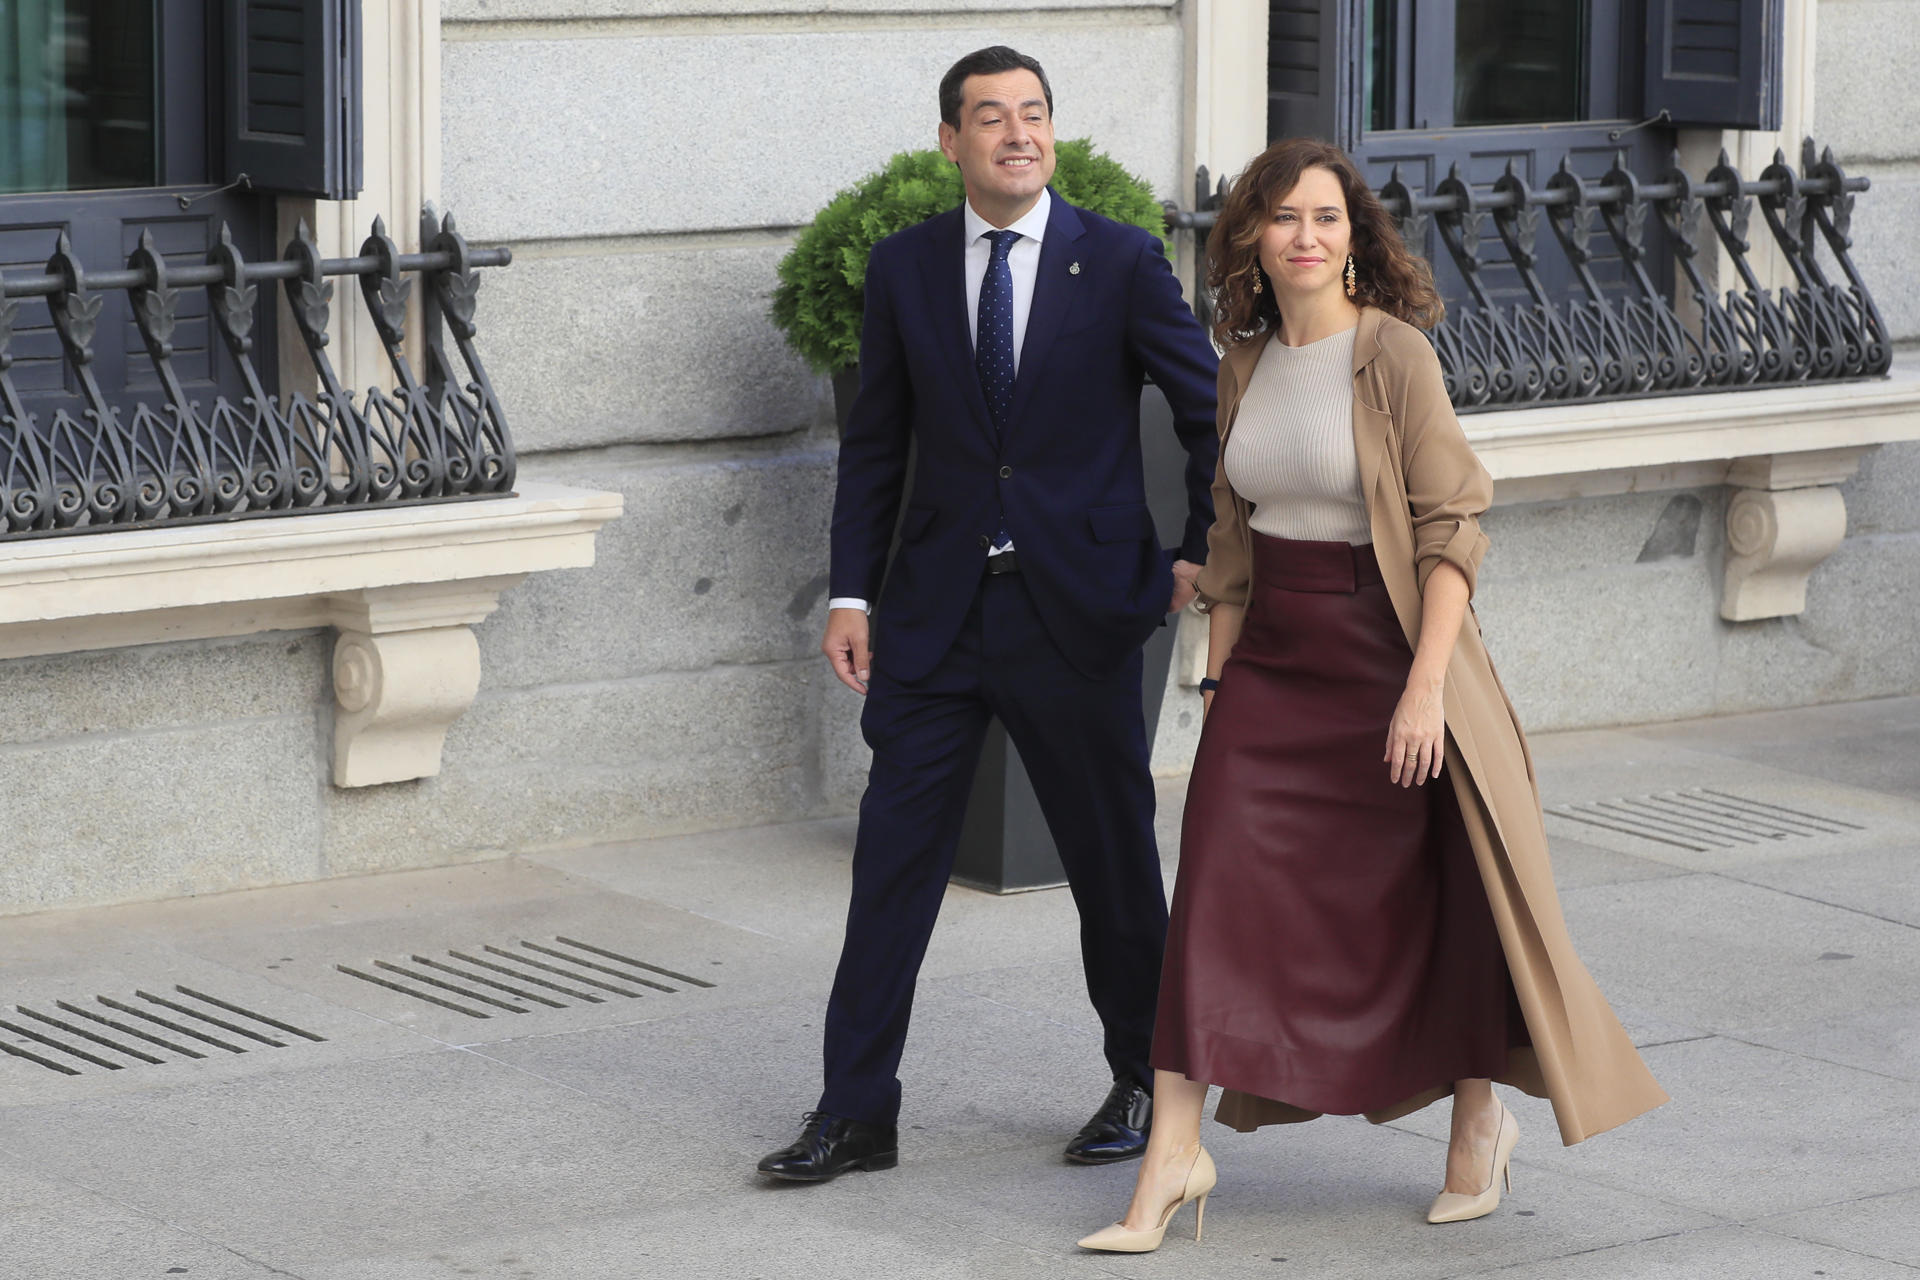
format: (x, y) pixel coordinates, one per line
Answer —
(1208, 684)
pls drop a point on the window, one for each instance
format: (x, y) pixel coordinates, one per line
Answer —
(121, 118)
(77, 109)
(1444, 64)
(1518, 61)
(1488, 84)
(1423, 86)
(1536, 107)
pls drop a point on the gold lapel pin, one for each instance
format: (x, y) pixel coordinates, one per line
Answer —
(1073, 268)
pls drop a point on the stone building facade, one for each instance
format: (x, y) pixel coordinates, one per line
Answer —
(649, 161)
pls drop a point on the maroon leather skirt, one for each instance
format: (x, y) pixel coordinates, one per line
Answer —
(1330, 944)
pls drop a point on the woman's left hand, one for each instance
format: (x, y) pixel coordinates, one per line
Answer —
(1416, 738)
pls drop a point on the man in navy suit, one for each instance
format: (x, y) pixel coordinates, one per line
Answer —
(1007, 339)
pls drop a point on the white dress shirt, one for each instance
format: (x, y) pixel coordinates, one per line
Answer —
(1023, 260)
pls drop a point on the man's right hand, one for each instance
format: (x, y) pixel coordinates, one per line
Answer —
(845, 645)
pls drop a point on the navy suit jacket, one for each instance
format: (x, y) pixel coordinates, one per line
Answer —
(1064, 478)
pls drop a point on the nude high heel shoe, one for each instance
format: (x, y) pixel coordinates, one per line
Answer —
(1117, 1239)
(1456, 1206)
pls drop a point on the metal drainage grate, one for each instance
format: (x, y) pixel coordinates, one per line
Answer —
(514, 979)
(129, 1035)
(1702, 819)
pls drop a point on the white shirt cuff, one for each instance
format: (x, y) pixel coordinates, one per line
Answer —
(849, 602)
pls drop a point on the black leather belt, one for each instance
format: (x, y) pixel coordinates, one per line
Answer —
(1005, 562)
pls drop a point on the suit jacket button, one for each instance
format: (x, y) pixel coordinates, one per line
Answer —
(985, 542)
(1006, 472)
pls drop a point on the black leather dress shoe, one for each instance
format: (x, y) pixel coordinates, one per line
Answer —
(1118, 1130)
(829, 1146)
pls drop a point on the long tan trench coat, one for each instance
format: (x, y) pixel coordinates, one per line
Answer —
(1425, 491)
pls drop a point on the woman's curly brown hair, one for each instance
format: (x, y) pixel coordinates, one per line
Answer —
(1388, 275)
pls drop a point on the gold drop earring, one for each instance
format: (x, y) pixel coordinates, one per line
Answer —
(1351, 290)
(1256, 279)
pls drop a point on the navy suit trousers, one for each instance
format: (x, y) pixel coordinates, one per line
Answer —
(1083, 742)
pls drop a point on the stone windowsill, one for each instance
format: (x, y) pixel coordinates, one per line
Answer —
(1626, 446)
(403, 585)
(1784, 451)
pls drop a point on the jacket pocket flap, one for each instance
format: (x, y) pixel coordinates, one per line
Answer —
(915, 522)
(1121, 524)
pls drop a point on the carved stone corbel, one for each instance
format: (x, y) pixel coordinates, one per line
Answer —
(1785, 517)
(405, 666)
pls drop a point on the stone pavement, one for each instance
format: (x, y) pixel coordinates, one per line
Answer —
(1756, 922)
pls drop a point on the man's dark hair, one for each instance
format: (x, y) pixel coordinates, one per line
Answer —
(990, 61)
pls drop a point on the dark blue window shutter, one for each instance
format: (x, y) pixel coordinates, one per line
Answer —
(293, 95)
(1716, 63)
(1313, 47)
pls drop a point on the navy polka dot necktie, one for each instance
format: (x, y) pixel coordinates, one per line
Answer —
(993, 334)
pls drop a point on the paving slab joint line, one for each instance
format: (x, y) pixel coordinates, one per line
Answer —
(1825, 1062)
(1829, 1244)
(1837, 906)
(639, 1020)
(21, 1162)
(337, 1006)
(1661, 1044)
(558, 1084)
(1758, 1223)
(265, 1266)
(1512, 1267)
(600, 884)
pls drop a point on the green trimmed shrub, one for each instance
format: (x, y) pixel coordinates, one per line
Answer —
(818, 301)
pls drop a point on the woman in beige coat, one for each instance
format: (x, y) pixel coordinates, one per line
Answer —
(1345, 938)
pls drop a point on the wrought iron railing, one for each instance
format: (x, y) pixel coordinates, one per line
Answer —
(1599, 344)
(439, 439)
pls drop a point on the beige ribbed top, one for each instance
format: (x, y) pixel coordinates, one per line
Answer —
(1291, 451)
